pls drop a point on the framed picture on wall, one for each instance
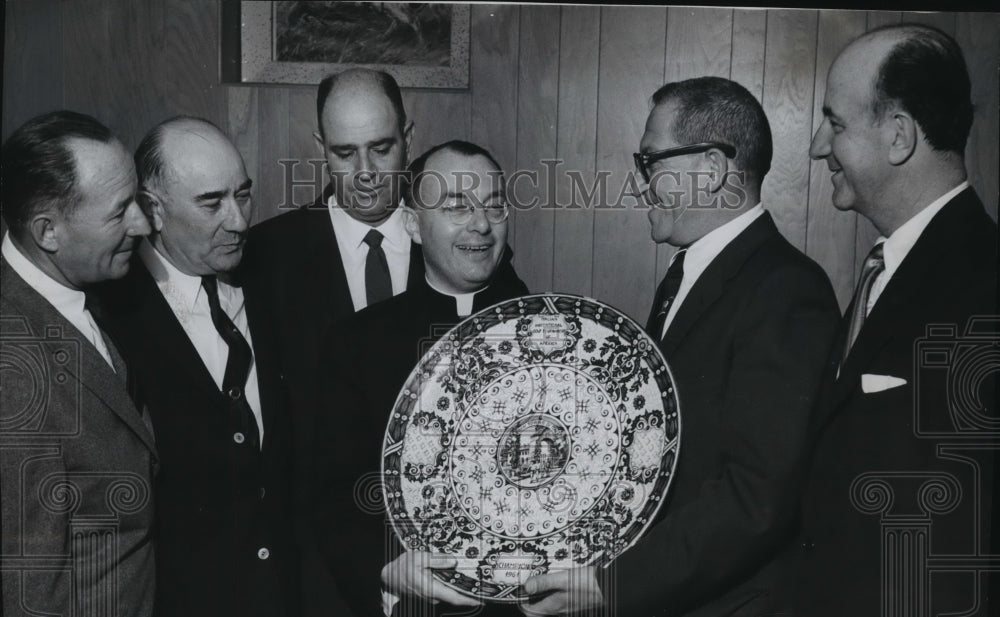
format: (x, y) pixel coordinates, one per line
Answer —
(421, 44)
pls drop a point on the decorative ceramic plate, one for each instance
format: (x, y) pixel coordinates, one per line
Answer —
(539, 434)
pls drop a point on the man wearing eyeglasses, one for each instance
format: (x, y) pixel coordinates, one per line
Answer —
(457, 212)
(745, 322)
(321, 263)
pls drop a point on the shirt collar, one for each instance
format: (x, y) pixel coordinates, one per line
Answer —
(352, 231)
(705, 249)
(183, 286)
(463, 302)
(898, 245)
(65, 299)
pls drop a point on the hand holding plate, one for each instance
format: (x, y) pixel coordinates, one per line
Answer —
(562, 593)
(412, 573)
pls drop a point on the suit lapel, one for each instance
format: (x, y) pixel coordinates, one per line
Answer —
(919, 271)
(712, 282)
(153, 320)
(324, 265)
(265, 359)
(93, 372)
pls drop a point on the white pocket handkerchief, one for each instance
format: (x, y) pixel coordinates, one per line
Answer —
(878, 383)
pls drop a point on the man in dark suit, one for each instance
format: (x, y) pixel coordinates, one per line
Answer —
(744, 321)
(321, 263)
(367, 358)
(209, 373)
(317, 266)
(77, 458)
(899, 501)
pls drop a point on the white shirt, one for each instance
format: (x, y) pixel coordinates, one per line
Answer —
(189, 303)
(69, 302)
(704, 250)
(898, 245)
(351, 234)
(463, 302)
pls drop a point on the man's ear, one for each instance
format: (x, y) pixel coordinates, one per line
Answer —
(44, 231)
(903, 137)
(319, 143)
(718, 165)
(408, 137)
(152, 206)
(411, 222)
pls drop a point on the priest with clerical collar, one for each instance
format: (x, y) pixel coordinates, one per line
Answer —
(457, 210)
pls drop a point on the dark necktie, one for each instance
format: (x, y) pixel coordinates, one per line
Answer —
(874, 264)
(666, 294)
(378, 284)
(96, 309)
(237, 364)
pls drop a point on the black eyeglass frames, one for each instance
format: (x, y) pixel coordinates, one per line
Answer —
(644, 159)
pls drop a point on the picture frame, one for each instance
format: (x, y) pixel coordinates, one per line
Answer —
(422, 45)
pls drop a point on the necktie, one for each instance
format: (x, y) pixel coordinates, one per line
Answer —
(94, 306)
(874, 264)
(378, 285)
(237, 364)
(667, 292)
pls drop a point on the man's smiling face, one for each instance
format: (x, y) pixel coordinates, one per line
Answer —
(850, 138)
(460, 257)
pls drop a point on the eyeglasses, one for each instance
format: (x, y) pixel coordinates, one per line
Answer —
(461, 213)
(644, 159)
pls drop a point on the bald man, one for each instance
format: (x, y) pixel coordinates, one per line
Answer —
(898, 506)
(208, 372)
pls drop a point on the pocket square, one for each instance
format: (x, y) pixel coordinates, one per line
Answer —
(878, 383)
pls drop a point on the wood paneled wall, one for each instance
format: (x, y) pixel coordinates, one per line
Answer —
(566, 83)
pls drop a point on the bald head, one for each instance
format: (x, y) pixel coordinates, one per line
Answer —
(361, 84)
(174, 142)
(920, 70)
(897, 115)
(195, 189)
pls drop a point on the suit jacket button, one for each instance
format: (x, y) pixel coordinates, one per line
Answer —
(239, 437)
(263, 553)
(234, 393)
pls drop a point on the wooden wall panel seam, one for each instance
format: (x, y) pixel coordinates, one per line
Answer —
(597, 130)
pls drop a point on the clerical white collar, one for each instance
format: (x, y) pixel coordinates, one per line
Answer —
(463, 302)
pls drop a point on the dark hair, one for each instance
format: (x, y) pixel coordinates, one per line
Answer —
(384, 80)
(718, 109)
(415, 173)
(38, 169)
(925, 74)
(149, 163)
